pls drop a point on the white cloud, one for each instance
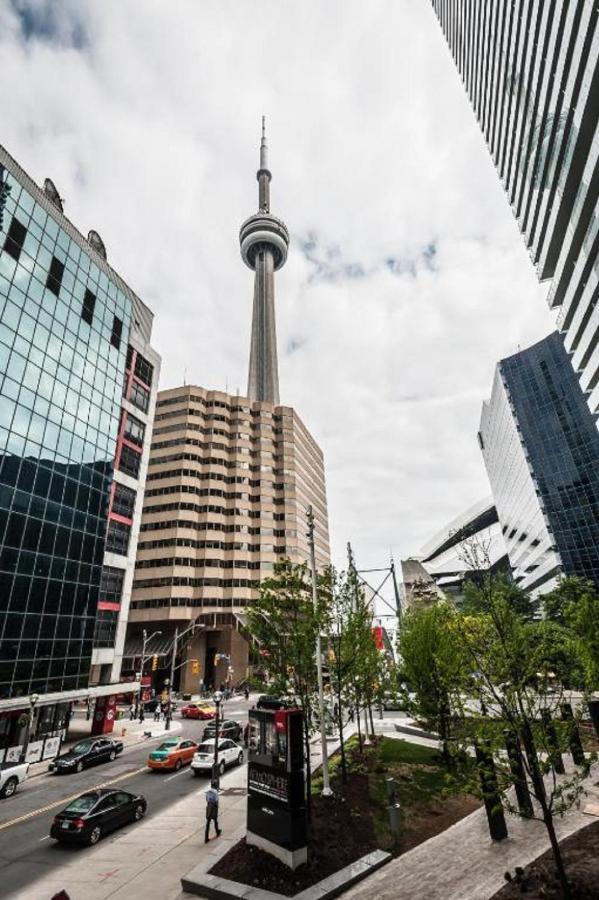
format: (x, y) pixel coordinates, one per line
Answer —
(147, 117)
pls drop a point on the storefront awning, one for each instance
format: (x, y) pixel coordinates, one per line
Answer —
(99, 690)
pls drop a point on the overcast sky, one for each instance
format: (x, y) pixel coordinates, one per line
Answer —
(407, 278)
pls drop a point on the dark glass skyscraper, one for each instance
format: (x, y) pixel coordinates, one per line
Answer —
(541, 448)
(66, 319)
(531, 70)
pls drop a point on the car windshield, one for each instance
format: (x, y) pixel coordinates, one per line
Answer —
(82, 804)
(167, 745)
(206, 748)
(82, 747)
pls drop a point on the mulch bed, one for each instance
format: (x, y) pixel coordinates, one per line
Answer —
(581, 860)
(344, 828)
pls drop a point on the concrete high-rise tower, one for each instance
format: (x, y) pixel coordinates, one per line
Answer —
(264, 240)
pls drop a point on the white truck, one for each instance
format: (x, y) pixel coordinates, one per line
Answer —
(11, 776)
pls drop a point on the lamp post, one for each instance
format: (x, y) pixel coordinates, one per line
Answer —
(169, 712)
(326, 787)
(146, 640)
(33, 698)
(217, 701)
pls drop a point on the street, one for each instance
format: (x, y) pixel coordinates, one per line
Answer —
(26, 850)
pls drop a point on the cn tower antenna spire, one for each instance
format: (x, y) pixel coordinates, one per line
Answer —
(264, 240)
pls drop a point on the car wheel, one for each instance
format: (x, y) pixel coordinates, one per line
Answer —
(9, 788)
(197, 773)
(221, 767)
(178, 765)
(79, 767)
(240, 759)
(112, 756)
(95, 835)
(139, 812)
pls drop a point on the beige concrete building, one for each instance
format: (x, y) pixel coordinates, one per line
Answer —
(228, 484)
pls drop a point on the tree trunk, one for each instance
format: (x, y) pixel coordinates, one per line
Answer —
(359, 729)
(341, 738)
(308, 774)
(371, 720)
(557, 855)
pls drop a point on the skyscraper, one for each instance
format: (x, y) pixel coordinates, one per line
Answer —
(531, 71)
(229, 482)
(71, 334)
(540, 445)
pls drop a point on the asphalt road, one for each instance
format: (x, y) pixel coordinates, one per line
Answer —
(27, 851)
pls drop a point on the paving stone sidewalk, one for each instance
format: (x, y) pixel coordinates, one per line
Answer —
(463, 863)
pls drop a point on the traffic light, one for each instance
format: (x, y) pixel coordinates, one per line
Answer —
(154, 663)
(195, 667)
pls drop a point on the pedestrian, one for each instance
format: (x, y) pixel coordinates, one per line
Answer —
(157, 713)
(246, 692)
(141, 711)
(132, 711)
(212, 810)
(246, 734)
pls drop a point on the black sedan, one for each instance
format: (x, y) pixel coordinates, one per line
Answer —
(88, 752)
(265, 701)
(227, 729)
(92, 815)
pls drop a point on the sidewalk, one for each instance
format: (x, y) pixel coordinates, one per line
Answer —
(463, 863)
(125, 730)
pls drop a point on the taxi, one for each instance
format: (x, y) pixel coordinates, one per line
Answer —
(172, 754)
(198, 710)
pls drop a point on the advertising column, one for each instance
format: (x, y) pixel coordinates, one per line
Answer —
(104, 715)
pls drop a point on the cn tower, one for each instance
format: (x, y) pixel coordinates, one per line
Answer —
(264, 240)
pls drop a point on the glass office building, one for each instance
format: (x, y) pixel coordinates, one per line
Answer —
(541, 449)
(531, 71)
(64, 326)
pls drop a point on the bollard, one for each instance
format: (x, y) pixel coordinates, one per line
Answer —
(576, 748)
(553, 743)
(394, 812)
(491, 796)
(514, 753)
(392, 793)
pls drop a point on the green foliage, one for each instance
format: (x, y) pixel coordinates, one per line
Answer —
(575, 605)
(480, 594)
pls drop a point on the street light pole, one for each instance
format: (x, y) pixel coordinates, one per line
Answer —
(146, 640)
(215, 773)
(326, 786)
(169, 713)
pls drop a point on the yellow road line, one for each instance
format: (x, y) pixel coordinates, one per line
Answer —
(65, 800)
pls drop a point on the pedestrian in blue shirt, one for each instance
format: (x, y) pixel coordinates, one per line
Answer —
(212, 810)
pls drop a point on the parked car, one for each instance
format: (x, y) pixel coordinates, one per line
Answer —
(88, 752)
(172, 753)
(229, 754)
(11, 776)
(393, 701)
(227, 729)
(198, 710)
(265, 701)
(92, 815)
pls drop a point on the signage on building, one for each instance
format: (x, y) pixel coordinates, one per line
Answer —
(51, 747)
(33, 752)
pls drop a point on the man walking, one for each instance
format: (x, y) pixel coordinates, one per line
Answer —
(212, 810)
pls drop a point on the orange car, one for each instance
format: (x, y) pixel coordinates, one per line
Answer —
(172, 753)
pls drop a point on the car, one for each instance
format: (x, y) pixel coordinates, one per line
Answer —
(393, 701)
(11, 776)
(226, 729)
(172, 753)
(265, 701)
(229, 754)
(88, 752)
(198, 710)
(92, 815)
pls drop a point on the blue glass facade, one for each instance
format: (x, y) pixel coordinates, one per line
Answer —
(64, 325)
(541, 449)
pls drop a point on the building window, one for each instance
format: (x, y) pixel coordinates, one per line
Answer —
(144, 370)
(54, 279)
(15, 239)
(140, 397)
(129, 462)
(117, 537)
(89, 303)
(135, 430)
(105, 628)
(117, 331)
(123, 501)
(111, 584)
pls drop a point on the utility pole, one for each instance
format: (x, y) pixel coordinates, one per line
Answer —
(326, 786)
(169, 713)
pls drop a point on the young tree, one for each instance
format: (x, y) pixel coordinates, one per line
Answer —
(284, 622)
(575, 604)
(433, 666)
